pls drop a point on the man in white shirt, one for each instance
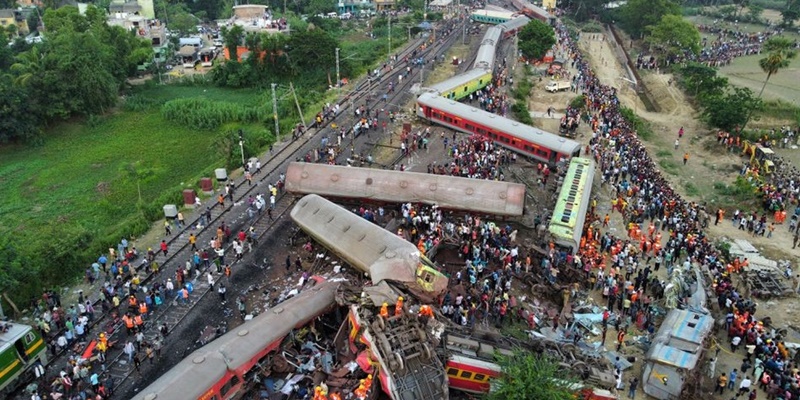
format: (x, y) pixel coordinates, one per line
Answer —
(744, 387)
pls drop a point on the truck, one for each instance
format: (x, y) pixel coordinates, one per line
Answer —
(557, 86)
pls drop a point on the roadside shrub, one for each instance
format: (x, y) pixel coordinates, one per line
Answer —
(139, 103)
(642, 127)
(592, 27)
(579, 102)
(207, 114)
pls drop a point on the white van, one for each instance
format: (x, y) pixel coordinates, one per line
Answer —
(333, 15)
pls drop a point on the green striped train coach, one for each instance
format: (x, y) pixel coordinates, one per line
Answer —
(20, 347)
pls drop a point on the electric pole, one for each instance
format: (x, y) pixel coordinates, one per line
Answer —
(275, 114)
(241, 145)
(299, 111)
(390, 38)
(337, 69)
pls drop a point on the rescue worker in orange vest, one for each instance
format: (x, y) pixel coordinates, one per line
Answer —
(132, 302)
(385, 310)
(143, 308)
(335, 396)
(425, 312)
(128, 323)
(361, 391)
(368, 381)
(318, 394)
(138, 321)
(398, 308)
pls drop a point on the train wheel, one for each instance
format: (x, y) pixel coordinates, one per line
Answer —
(380, 324)
(426, 351)
(400, 364)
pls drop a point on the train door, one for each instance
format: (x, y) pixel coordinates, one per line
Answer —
(553, 157)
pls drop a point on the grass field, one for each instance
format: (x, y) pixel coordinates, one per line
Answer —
(78, 177)
(745, 72)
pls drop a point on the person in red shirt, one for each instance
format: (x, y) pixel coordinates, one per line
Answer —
(164, 247)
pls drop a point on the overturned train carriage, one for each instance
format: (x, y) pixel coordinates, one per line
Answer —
(217, 370)
(367, 184)
(368, 247)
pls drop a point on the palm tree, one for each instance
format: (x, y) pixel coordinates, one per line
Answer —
(781, 52)
(29, 65)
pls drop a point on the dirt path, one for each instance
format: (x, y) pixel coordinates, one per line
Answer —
(708, 168)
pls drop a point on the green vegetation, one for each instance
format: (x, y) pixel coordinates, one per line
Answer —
(106, 174)
(521, 93)
(77, 71)
(723, 106)
(673, 35)
(642, 127)
(536, 39)
(637, 15)
(527, 375)
(691, 189)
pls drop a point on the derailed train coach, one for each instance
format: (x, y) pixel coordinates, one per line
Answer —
(368, 247)
(529, 141)
(222, 369)
(387, 186)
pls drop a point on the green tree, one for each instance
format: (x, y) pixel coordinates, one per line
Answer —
(531, 376)
(312, 49)
(789, 15)
(702, 81)
(754, 13)
(233, 39)
(780, 54)
(183, 22)
(673, 35)
(638, 14)
(535, 39)
(17, 121)
(731, 110)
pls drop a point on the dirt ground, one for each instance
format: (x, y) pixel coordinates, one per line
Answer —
(695, 181)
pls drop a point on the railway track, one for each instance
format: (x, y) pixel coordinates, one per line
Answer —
(234, 213)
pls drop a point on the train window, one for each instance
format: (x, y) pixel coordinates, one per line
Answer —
(452, 372)
(466, 374)
(466, 89)
(480, 377)
(427, 277)
(469, 127)
(29, 338)
(230, 384)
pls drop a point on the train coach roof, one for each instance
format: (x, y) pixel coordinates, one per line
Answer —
(14, 333)
(458, 80)
(520, 130)
(450, 192)
(515, 23)
(367, 246)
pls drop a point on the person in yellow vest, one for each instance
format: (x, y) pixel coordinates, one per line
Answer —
(385, 310)
(398, 308)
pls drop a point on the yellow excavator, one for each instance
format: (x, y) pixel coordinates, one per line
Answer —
(760, 157)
